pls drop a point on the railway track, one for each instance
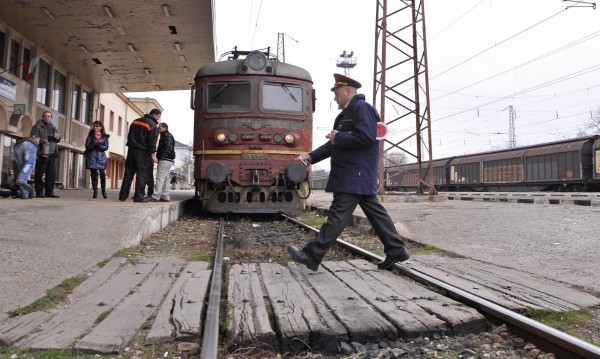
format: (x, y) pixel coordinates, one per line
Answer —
(281, 306)
(563, 343)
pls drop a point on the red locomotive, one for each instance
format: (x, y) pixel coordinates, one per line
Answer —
(252, 118)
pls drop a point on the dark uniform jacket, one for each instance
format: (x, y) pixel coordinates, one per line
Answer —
(143, 134)
(166, 147)
(355, 155)
(45, 131)
(95, 149)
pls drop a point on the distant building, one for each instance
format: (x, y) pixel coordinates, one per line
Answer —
(184, 166)
(318, 179)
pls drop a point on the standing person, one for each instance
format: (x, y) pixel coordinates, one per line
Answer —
(141, 143)
(96, 144)
(354, 153)
(166, 157)
(150, 176)
(24, 156)
(45, 170)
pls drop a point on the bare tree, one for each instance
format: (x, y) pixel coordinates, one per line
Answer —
(395, 158)
(593, 124)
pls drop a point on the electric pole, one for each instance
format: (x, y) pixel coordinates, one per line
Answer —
(280, 47)
(512, 138)
(402, 82)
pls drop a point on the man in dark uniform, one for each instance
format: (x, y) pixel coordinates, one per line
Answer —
(354, 153)
(141, 143)
(45, 168)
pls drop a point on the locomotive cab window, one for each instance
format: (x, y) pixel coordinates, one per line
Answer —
(282, 97)
(228, 96)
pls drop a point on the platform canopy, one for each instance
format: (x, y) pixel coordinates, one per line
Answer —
(118, 46)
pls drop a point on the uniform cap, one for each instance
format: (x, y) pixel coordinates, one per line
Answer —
(341, 81)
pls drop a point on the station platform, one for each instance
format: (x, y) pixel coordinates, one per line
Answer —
(46, 240)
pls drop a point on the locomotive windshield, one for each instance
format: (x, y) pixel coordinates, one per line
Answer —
(282, 97)
(228, 96)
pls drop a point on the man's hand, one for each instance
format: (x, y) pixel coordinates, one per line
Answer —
(331, 136)
(305, 159)
(154, 159)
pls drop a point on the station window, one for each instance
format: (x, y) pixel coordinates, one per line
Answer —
(15, 53)
(120, 128)
(101, 115)
(59, 92)
(2, 45)
(42, 93)
(111, 121)
(86, 108)
(76, 102)
(26, 60)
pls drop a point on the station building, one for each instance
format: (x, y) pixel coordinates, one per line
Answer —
(76, 60)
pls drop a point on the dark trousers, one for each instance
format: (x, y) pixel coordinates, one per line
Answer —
(45, 175)
(340, 213)
(135, 164)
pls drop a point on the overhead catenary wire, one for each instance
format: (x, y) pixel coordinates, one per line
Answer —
(495, 45)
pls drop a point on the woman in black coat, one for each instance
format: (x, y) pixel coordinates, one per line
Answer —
(96, 145)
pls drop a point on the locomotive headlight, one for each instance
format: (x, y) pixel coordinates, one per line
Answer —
(289, 139)
(256, 60)
(278, 138)
(220, 137)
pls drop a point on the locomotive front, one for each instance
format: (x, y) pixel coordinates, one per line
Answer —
(252, 118)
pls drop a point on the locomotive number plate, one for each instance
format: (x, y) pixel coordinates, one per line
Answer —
(254, 156)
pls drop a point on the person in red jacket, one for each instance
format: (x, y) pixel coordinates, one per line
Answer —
(354, 152)
(141, 143)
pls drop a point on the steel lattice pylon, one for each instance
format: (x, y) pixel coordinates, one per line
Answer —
(401, 50)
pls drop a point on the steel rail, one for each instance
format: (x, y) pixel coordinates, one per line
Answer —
(210, 336)
(565, 341)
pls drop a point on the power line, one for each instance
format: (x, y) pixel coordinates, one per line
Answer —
(564, 47)
(429, 39)
(537, 87)
(501, 42)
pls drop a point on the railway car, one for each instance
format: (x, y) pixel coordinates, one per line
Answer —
(404, 178)
(596, 162)
(567, 165)
(252, 118)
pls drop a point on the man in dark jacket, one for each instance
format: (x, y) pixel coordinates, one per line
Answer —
(141, 143)
(354, 152)
(166, 157)
(45, 168)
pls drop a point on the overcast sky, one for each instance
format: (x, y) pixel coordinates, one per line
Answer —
(484, 56)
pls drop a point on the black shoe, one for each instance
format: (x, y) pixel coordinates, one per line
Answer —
(104, 193)
(391, 260)
(52, 195)
(143, 200)
(39, 195)
(95, 195)
(164, 200)
(301, 257)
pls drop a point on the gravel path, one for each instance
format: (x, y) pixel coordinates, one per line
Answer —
(553, 241)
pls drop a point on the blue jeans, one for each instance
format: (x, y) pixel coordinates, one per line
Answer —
(25, 155)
